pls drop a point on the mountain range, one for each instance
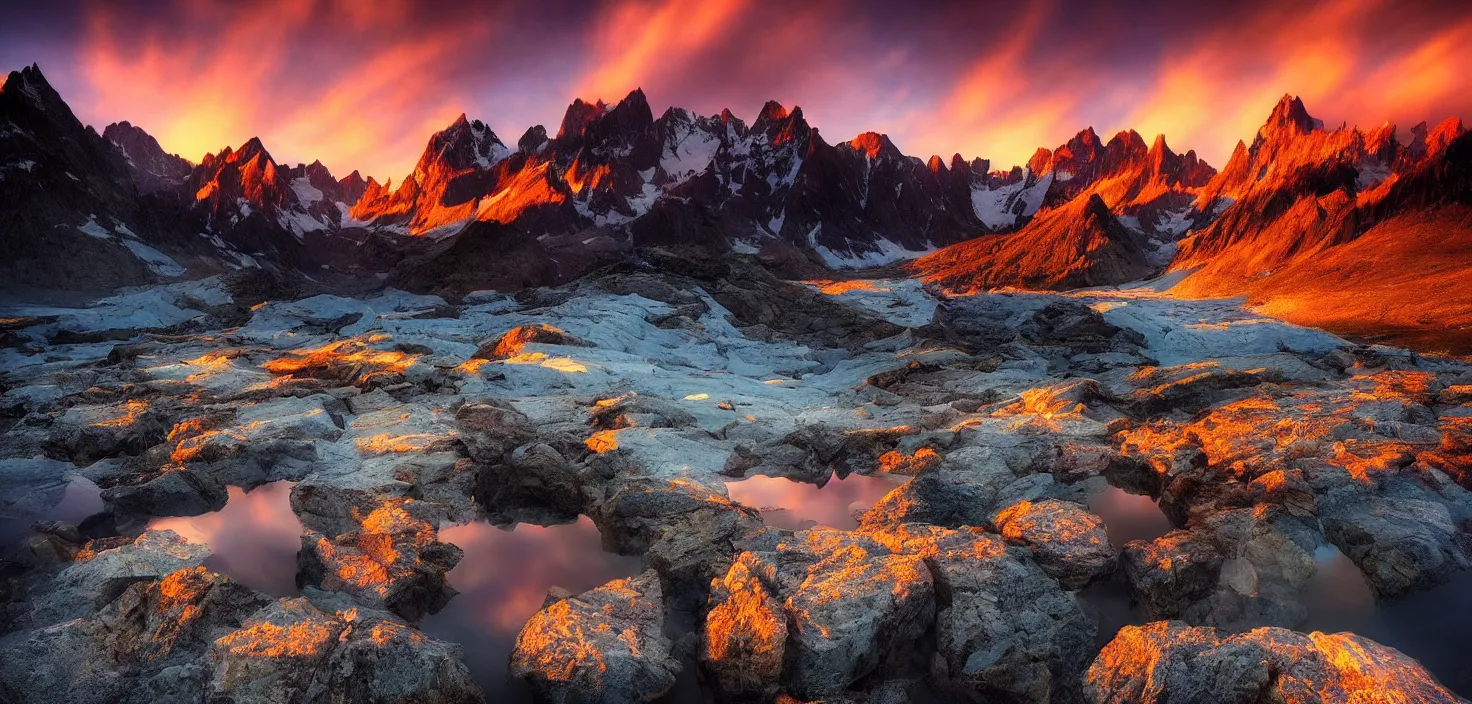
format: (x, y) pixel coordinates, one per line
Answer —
(1344, 227)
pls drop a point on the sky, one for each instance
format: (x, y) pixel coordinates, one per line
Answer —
(362, 85)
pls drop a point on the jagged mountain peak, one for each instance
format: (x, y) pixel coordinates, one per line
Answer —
(772, 111)
(252, 149)
(463, 146)
(152, 168)
(1159, 147)
(577, 116)
(29, 81)
(874, 145)
(1289, 116)
(532, 140)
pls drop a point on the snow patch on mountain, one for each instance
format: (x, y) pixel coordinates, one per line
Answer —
(305, 191)
(690, 155)
(887, 252)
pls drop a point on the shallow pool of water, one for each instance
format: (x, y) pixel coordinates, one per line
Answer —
(254, 538)
(74, 501)
(795, 505)
(1433, 626)
(1129, 516)
(503, 579)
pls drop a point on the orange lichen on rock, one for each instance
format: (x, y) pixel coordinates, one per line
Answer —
(930, 542)
(602, 441)
(1397, 385)
(1171, 661)
(1046, 521)
(896, 462)
(294, 634)
(555, 640)
(838, 288)
(745, 633)
(346, 361)
(516, 339)
(603, 645)
(131, 413)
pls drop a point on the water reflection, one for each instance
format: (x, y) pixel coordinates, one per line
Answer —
(74, 501)
(1433, 626)
(254, 539)
(503, 579)
(1337, 597)
(794, 505)
(1129, 516)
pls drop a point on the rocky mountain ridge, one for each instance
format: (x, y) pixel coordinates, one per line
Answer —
(97, 211)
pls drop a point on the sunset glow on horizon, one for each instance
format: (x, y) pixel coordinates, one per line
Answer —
(362, 87)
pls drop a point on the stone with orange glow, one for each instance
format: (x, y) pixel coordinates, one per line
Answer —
(604, 645)
(1168, 662)
(1172, 571)
(351, 362)
(135, 644)
(637, 512)
(292, 651)
(972, 483)
(85, 434)
(393, 561)
(1004, 629)
(1067, 541)
(851, 605)
(516, 339)
(744, 640)
(101, 569)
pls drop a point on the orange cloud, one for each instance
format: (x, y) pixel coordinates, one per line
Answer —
(1350, 60)
(362, 85)
(641, 40)
(315, 79)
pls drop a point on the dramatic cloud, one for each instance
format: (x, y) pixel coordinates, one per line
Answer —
(361, 85)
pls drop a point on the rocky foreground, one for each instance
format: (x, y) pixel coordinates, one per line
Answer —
(631, 397)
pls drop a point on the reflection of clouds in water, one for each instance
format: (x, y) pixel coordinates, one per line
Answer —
(81, 499)
(68, 503)
(791, 504)
(503, 579)
(254, 539)
(1129, 516)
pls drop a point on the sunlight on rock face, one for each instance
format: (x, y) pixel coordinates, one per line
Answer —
(254, 539)
(296, 636)
(838, 288)
(602, 441)
(515, 340)
(131, 413)
(896, 462)
(1163, 661)
(541, 359)
(346, 361)
(791, 504)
